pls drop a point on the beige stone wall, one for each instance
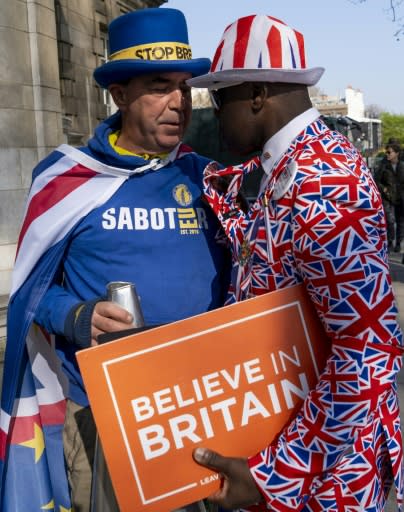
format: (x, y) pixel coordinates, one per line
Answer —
(30, 120)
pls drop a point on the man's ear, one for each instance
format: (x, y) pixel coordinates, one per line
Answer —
(118, 93)
(259, 95)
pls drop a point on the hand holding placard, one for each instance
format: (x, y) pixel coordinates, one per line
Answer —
(238, 488)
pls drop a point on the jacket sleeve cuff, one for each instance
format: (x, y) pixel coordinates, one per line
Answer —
(263, 505)
(78, 323)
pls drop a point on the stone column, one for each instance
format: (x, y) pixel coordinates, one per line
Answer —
(30, 111)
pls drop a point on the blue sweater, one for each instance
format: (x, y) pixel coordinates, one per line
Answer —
(155, 232)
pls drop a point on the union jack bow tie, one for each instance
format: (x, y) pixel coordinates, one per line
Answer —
(239, 226)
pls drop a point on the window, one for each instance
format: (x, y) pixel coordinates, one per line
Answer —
(105, 96)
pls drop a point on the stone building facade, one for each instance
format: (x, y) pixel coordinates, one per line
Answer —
(48, 51)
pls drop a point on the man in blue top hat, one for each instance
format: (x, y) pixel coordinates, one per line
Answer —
(126, 207)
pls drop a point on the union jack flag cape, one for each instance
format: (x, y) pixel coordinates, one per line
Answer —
(32, 468)
(318, 220)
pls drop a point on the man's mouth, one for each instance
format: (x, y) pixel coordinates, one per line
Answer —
(172, 123)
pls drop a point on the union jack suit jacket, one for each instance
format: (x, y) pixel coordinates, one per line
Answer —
(318, 220)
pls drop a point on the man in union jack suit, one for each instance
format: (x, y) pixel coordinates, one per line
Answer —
(318, 220)
(126, 207)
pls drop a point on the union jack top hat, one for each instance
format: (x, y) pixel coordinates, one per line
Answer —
(259, 48)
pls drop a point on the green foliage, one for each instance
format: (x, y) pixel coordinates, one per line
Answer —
(392, 127)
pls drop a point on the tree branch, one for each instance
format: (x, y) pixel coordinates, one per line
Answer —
(393, 11)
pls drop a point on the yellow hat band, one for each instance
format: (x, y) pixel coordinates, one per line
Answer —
(155, 51)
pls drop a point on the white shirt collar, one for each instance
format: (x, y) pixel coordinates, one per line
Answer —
(278, 144)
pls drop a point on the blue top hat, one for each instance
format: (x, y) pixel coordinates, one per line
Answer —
(148, 41)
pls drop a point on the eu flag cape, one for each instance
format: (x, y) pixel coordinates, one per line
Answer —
(32, 467)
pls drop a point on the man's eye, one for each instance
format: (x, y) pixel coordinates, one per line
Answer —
(160, 90)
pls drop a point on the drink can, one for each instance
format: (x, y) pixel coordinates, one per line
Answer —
(124, 294)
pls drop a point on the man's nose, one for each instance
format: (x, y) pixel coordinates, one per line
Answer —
(177, 99)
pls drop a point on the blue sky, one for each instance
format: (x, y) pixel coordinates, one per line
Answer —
(354, 42)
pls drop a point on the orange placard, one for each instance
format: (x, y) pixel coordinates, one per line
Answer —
(228, 379)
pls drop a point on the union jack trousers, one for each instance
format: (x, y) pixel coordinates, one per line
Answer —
(343, 450)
